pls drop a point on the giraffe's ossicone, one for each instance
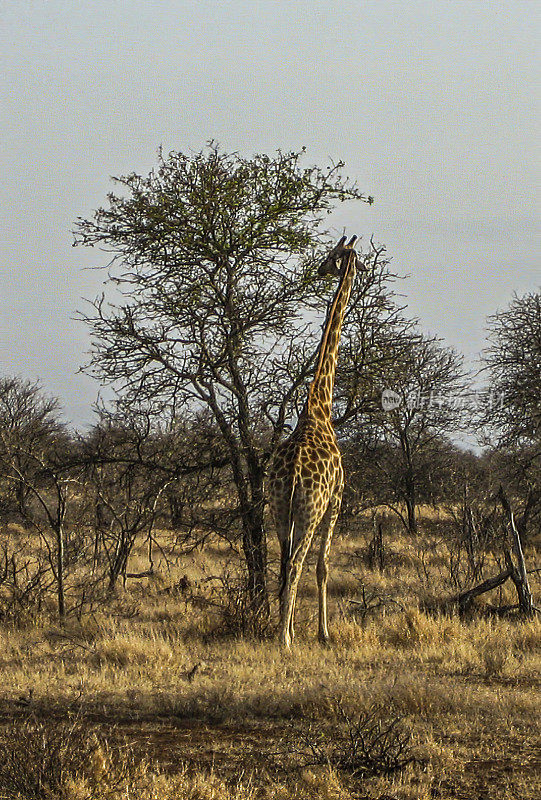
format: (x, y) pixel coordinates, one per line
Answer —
(306, 477)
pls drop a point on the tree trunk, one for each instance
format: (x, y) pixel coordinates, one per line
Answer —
(409, 484)
(60, 571)
(118, 567)
(255, 552)
(21, 493)
(410, 506)
(254, 544)
(119, 560)
(519, 573)
(376, 547)
(176, 510)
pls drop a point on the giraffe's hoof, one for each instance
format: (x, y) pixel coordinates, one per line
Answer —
(323, 639)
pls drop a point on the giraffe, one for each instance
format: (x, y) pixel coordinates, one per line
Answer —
(306, 478)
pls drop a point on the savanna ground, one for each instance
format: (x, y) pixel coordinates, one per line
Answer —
(157, 695)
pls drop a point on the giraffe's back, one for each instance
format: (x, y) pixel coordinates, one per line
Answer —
(305, 472)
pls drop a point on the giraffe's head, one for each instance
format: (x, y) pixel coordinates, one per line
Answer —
(337, 259)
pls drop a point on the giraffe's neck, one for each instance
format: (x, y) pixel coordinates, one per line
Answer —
(320, 394)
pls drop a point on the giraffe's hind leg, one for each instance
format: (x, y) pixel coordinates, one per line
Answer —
(322, 571)
(284, 560)
(284, 530)
(293, 568)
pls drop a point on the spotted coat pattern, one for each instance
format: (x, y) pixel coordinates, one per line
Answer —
(306, 478)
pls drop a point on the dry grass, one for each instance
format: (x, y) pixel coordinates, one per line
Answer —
(219, 717)
(69, 762)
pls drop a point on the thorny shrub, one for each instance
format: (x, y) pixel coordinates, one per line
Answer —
(367, 745)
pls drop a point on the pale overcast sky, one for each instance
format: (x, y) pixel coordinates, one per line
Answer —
(432, 104)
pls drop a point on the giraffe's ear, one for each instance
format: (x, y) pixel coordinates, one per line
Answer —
(351, 242)
(338, 249)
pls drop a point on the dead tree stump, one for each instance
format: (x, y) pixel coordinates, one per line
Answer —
(516, 568)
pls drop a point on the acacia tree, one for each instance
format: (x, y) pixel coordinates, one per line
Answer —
(513, 361)
(30, 420)
(35, 461)
(511, 418)
(131, 463)
(403, 444)
(214, 258)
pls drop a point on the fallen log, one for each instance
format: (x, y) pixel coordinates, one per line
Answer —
(464, 599)
(148, 573)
